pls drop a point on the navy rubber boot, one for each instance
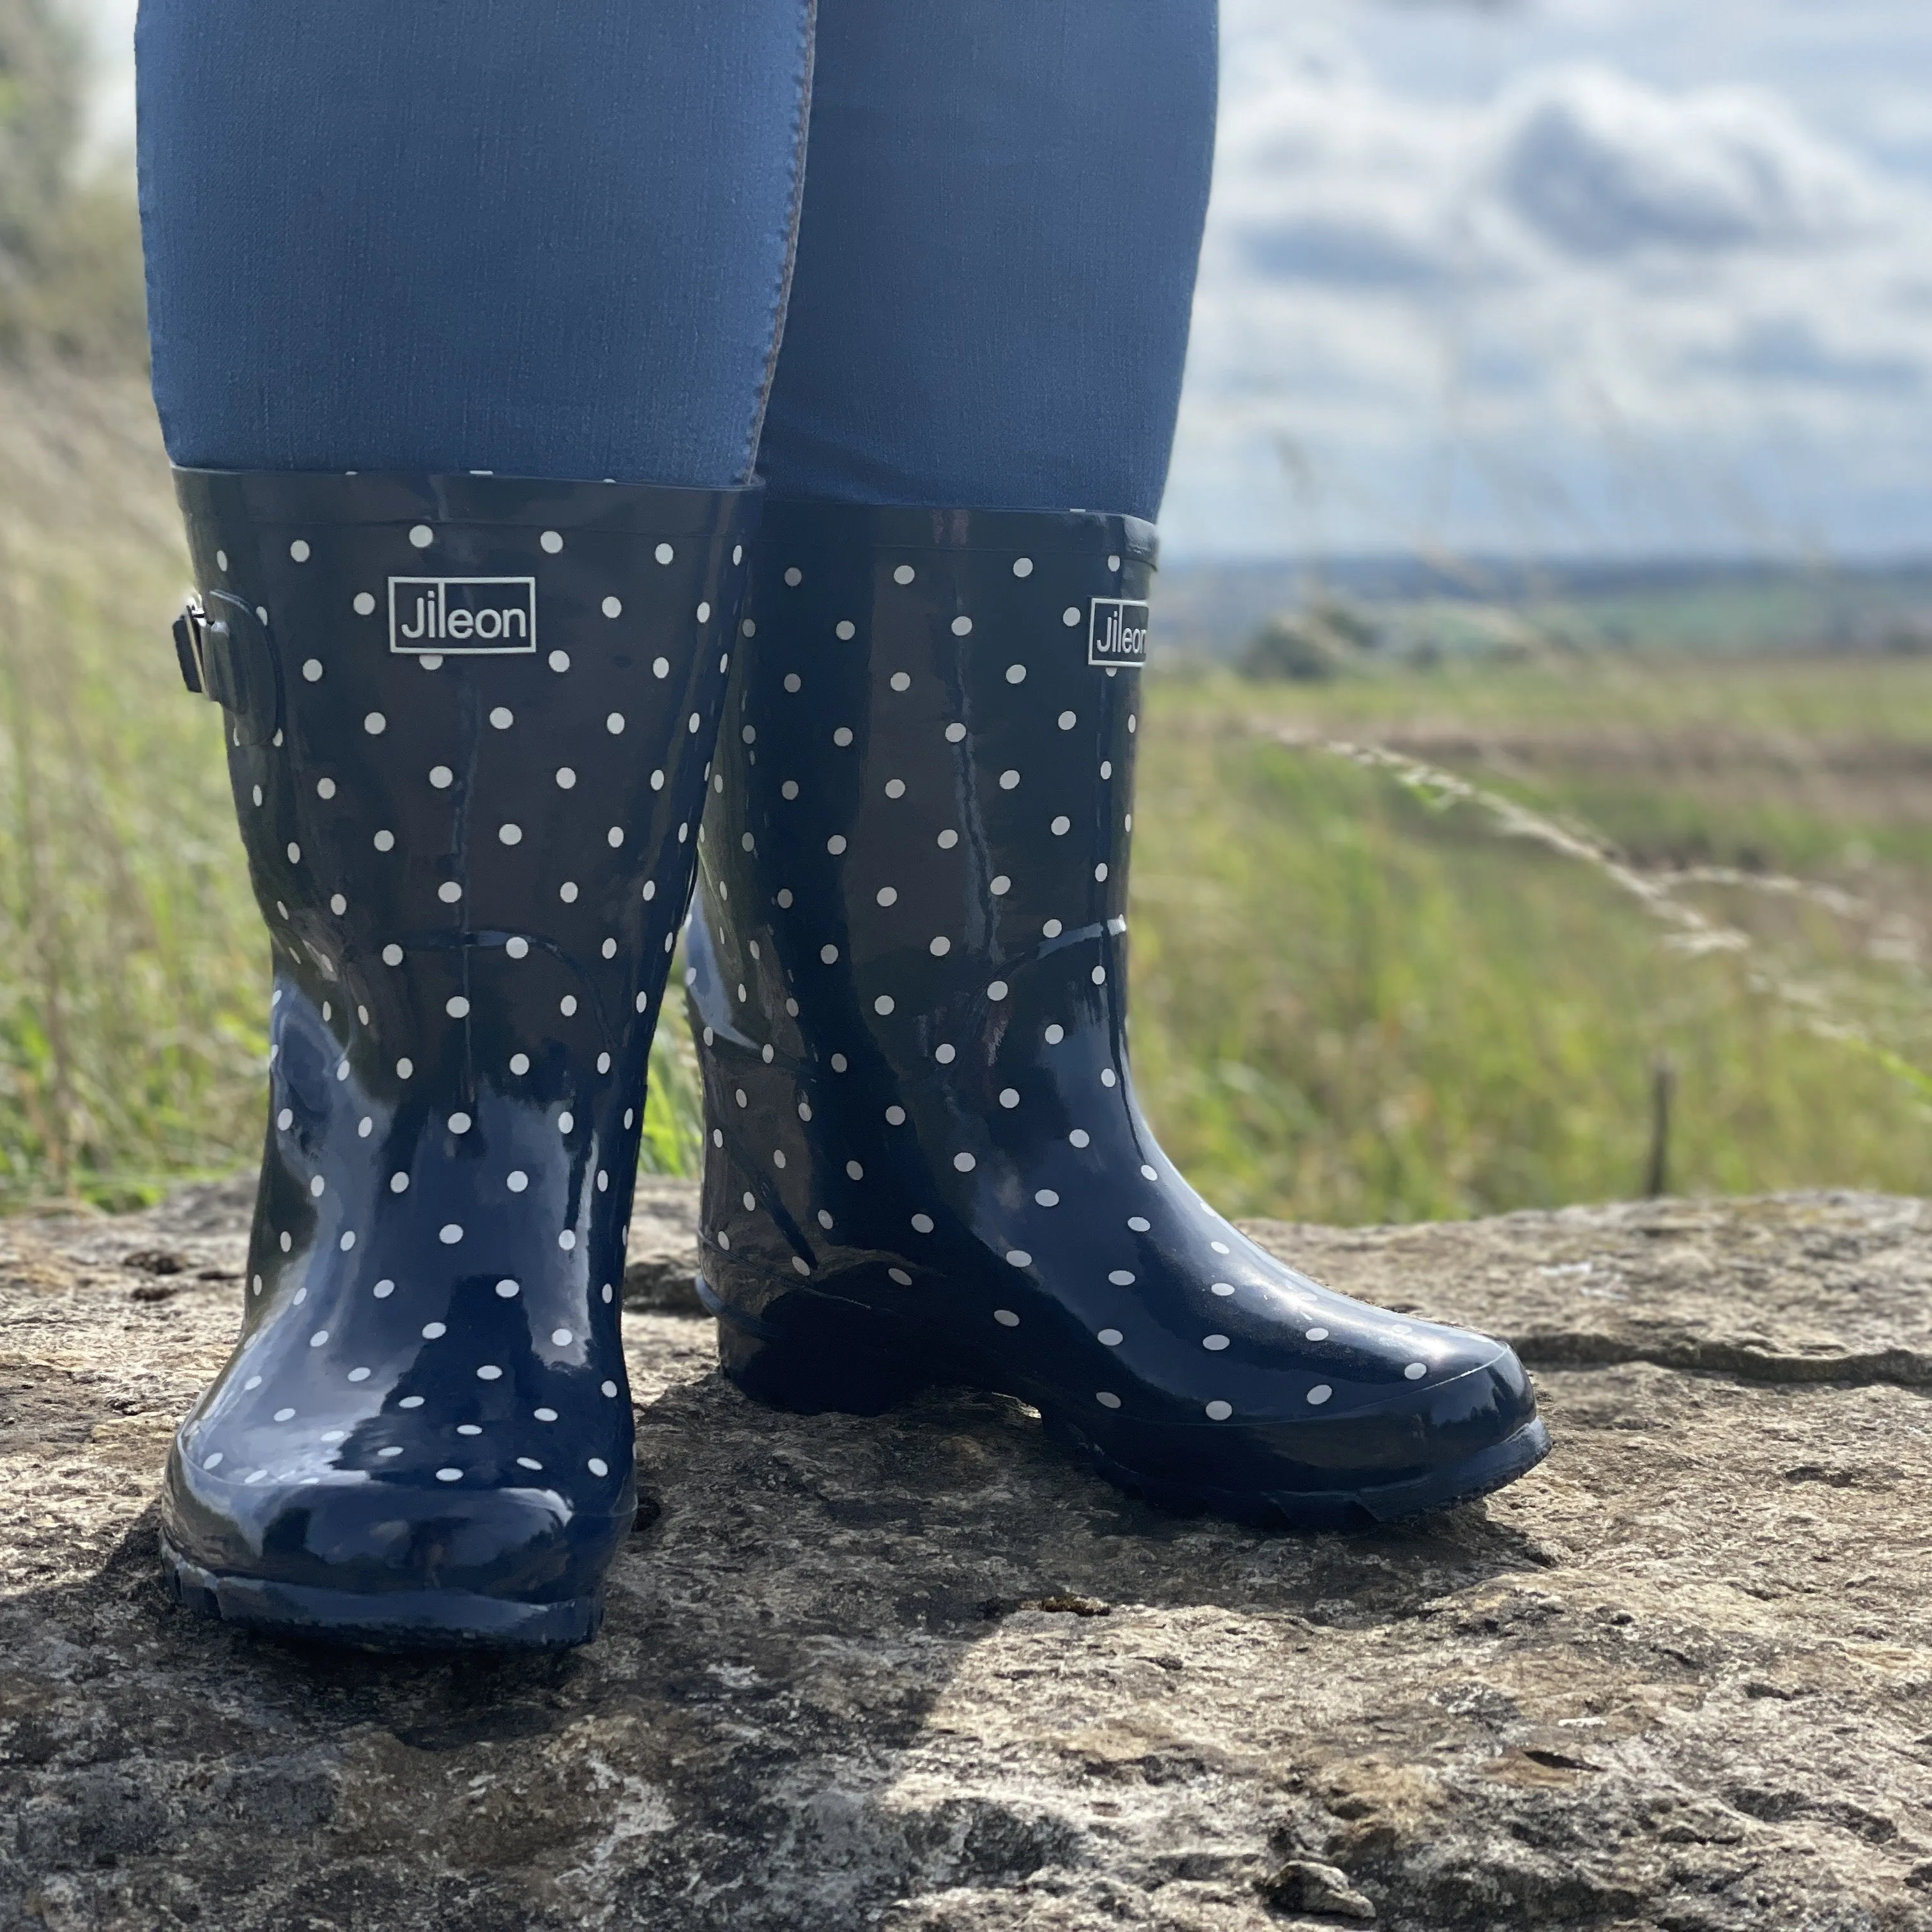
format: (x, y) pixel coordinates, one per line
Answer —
(468, 723)
(924, 1159)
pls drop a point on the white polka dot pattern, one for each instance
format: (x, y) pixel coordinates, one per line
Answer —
(907, 968)
(458, 1044)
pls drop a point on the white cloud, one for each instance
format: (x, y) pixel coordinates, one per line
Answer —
(1575, 309)
(1601, 167)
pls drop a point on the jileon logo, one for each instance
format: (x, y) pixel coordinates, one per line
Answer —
(479, 615)
(1117, 634)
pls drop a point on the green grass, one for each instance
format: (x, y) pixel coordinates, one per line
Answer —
(1352, 1006)
(133, 965)
(1353, 1003)
(1358, 998)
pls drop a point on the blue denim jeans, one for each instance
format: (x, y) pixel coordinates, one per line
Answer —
(935, 252)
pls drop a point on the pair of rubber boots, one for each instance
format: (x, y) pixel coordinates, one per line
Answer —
(474, 726)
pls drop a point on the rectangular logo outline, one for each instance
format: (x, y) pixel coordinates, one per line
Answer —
(445, 647)
(1118, 657)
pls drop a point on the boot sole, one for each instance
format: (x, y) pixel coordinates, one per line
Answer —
(846, 1376)
(398, 1621)
(1478, 1475)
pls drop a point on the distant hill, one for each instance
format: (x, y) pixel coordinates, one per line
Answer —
(1212, 609)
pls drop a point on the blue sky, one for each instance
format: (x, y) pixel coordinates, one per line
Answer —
(1550, 276)
(1584, 276)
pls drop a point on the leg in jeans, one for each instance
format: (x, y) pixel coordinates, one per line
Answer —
(481, 257)
(996, 261)
(547, 240)
(909, 971)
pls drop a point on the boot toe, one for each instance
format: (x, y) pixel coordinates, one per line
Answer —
(1416, 1445)
(397, 1563)
(1339, 1451)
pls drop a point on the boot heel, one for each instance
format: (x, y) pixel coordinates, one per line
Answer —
(830, 1367)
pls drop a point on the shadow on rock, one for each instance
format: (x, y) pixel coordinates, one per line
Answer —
(732, 1751)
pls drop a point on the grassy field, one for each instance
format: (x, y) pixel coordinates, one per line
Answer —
(1361, 994)
(133, 967)
(1433, 974)
(1364, 998)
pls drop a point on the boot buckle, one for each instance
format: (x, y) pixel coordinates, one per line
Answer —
(187, 634)
(222, 646)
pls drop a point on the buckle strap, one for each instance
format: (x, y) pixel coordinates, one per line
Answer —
(222, 646)
(187, 630)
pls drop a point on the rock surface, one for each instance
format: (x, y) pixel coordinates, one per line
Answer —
(922, 1673)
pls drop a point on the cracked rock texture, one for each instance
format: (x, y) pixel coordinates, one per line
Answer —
(924, 1673)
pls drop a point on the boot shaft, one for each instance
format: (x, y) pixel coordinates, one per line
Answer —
(924, 790)
(469, 722)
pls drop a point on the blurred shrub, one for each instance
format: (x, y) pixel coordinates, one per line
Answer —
(1305, 647)
(69, 243)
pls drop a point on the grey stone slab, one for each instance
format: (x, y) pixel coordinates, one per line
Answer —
(923, 1673)
(1817, 1287)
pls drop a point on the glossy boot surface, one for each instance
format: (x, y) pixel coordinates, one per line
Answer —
(924, 1158)
(469, 721)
